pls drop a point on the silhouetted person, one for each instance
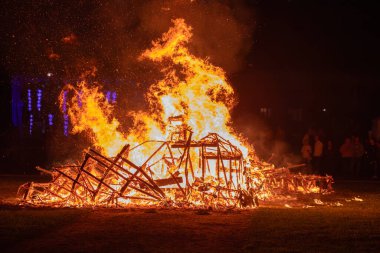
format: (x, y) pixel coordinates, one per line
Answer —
(317, 155)
(357, 156)
(330, 159)
(345, 151)
(371, 157)
(306, 138)
(306, 152)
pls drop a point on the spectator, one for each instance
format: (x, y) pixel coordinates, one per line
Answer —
(317, 155)
(307, 137)
(357, 155)
(330, 164)
(371, 156)
(306, 154)
(346, 155)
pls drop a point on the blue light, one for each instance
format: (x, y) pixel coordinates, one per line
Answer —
(29, 100)
(65, 116)
(108, 96)
(30, 123)
(50, 119)
(66, 125)
(114, 96)
(39, 96)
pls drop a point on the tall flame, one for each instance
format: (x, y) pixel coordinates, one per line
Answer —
(191, 87)
(204, 96)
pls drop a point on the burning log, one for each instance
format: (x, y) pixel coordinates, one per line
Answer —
(168, 181)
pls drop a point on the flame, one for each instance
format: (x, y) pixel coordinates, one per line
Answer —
(90, 112)
(204, 97)
(184, 143)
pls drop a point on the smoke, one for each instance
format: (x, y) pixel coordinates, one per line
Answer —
(222, 33)
(65, 36)
(270, 142)
(222, 29)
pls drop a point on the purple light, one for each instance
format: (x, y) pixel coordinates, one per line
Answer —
(108, 96)
(114, 96)
(50, 119)
(65, 116)
(39, 96)
(29, 100)
(66, 125)
(30, 123)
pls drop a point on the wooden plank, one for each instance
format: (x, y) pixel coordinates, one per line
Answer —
(169, 181)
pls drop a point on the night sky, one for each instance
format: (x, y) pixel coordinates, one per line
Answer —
(317, 52)
(277, 54)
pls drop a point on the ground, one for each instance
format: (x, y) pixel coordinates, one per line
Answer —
(353, 227)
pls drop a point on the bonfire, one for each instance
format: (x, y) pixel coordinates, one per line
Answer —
(182, 153)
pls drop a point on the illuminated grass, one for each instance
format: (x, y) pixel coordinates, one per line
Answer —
(354, 227)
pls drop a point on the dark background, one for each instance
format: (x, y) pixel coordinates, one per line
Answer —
(295, 65)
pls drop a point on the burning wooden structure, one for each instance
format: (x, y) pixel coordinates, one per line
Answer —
(181, 172)
(195, 159)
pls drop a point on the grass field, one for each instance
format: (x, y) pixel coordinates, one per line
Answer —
(353, 227)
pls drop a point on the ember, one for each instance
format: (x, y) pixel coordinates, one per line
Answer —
(181, 154)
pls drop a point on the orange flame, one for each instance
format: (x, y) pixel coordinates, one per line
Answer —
(204, 98)
(90, 112)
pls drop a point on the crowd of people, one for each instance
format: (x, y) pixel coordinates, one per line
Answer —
(353, 158)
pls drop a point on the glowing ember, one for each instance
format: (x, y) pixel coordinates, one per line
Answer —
(181, 153)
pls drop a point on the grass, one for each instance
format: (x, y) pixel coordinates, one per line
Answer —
(353, 227)
(323, 229)
(27, 224)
